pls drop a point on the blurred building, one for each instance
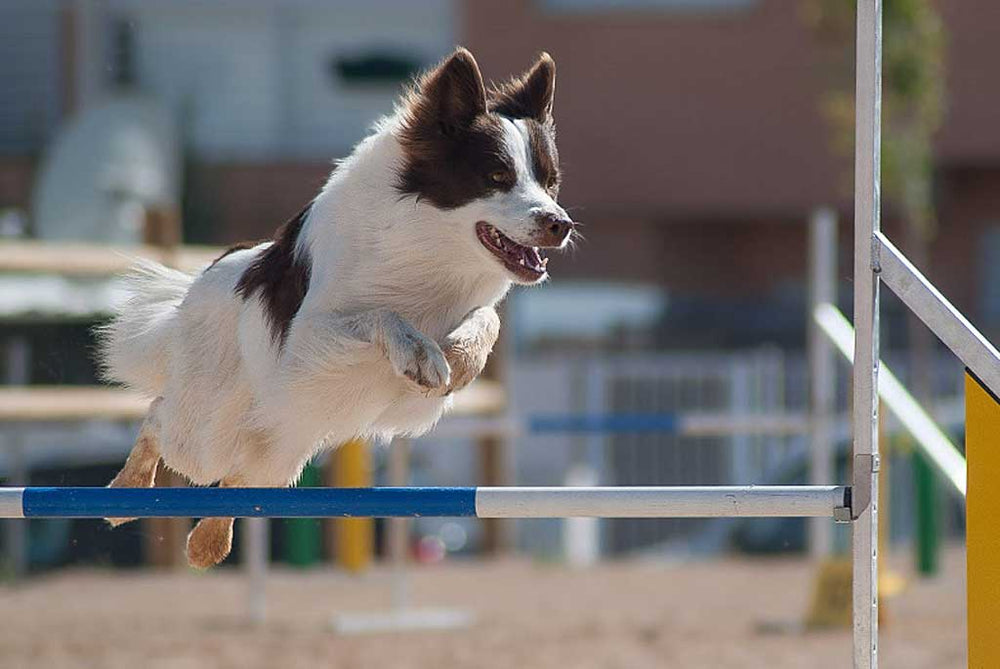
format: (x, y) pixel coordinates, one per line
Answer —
(690, 130)
(694, 145)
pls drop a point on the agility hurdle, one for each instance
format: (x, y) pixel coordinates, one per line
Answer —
(411, 502)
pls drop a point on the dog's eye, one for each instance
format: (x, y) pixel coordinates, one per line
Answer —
(500, 177)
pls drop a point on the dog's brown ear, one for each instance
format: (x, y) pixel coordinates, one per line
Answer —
(530, 95)
(451, 95)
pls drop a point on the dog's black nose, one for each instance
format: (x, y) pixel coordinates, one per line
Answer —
(553, 229)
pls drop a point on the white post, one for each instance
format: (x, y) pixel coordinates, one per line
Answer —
(256, 544)
(89, 51)
(16, 531)
(399, 528)
(867, 158)
(822, 370)
(743, 447)
(582, 536)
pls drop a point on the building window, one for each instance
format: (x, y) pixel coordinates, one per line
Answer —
(375, 67)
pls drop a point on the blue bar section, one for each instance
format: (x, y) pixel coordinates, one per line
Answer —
(603, 423)
(248, 502)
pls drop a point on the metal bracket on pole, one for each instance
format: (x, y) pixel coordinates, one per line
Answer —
(865, 464)
(842, 514)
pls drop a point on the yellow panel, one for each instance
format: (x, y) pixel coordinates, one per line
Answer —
(982, 452)
(354, 536)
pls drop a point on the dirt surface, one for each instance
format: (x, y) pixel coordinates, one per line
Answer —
(733, 613)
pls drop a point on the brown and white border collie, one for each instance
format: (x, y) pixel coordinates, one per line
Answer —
(367, 309)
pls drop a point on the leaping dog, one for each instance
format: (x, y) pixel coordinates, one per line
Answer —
(365, 311)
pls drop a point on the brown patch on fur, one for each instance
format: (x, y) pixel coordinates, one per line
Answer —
(139, 470)
(452, 144)
(544, 156)
(209, 542)
(452, 132)
(279, 277)
(530, 97)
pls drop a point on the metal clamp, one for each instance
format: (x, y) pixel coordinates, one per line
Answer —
(865, 466)
(842, 514)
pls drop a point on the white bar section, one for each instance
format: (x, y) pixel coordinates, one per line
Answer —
(659, 502)
(867, 163)
(11, 505)
(930, 439)
(697, 424)
(823, 258)
(930, 306)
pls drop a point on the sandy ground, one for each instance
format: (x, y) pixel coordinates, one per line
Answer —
(624, 614)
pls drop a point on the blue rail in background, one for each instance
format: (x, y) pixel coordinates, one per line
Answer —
(604, 423)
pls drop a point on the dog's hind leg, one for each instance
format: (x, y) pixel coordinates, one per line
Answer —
(210, 541)
(140, 467)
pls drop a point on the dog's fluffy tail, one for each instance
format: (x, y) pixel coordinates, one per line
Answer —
(134, 348)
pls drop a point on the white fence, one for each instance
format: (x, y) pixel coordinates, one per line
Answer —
(751, 383)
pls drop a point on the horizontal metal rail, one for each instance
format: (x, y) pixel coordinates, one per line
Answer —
(662, 502)
(930, 306)
(483, 502)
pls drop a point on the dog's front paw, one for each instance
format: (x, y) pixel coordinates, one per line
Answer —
(418, 358)
(466, 357)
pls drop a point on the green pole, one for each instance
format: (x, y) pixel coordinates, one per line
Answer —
(302, 535)
(928, 523)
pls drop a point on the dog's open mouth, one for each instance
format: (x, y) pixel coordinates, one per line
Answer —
(524, 262)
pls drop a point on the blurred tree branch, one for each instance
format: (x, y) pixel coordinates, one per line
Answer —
(912, 95)
(913, 101)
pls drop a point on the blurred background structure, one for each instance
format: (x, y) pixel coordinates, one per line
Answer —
(697, 138)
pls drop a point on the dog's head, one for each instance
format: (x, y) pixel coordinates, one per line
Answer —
(488, 159)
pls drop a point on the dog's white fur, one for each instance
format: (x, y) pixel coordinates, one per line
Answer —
(390, 277)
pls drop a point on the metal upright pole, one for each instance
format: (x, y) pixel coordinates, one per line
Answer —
(867, 155)
(16, 534)
(822, 370)
(399, 528)
(256, 545)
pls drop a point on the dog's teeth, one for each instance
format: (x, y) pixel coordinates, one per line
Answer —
(545, 262)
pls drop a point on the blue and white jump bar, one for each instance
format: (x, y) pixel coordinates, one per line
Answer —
(481, 502)
(691, 424)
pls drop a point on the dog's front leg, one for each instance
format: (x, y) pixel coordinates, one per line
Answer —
(469, 345)
(325, 341)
